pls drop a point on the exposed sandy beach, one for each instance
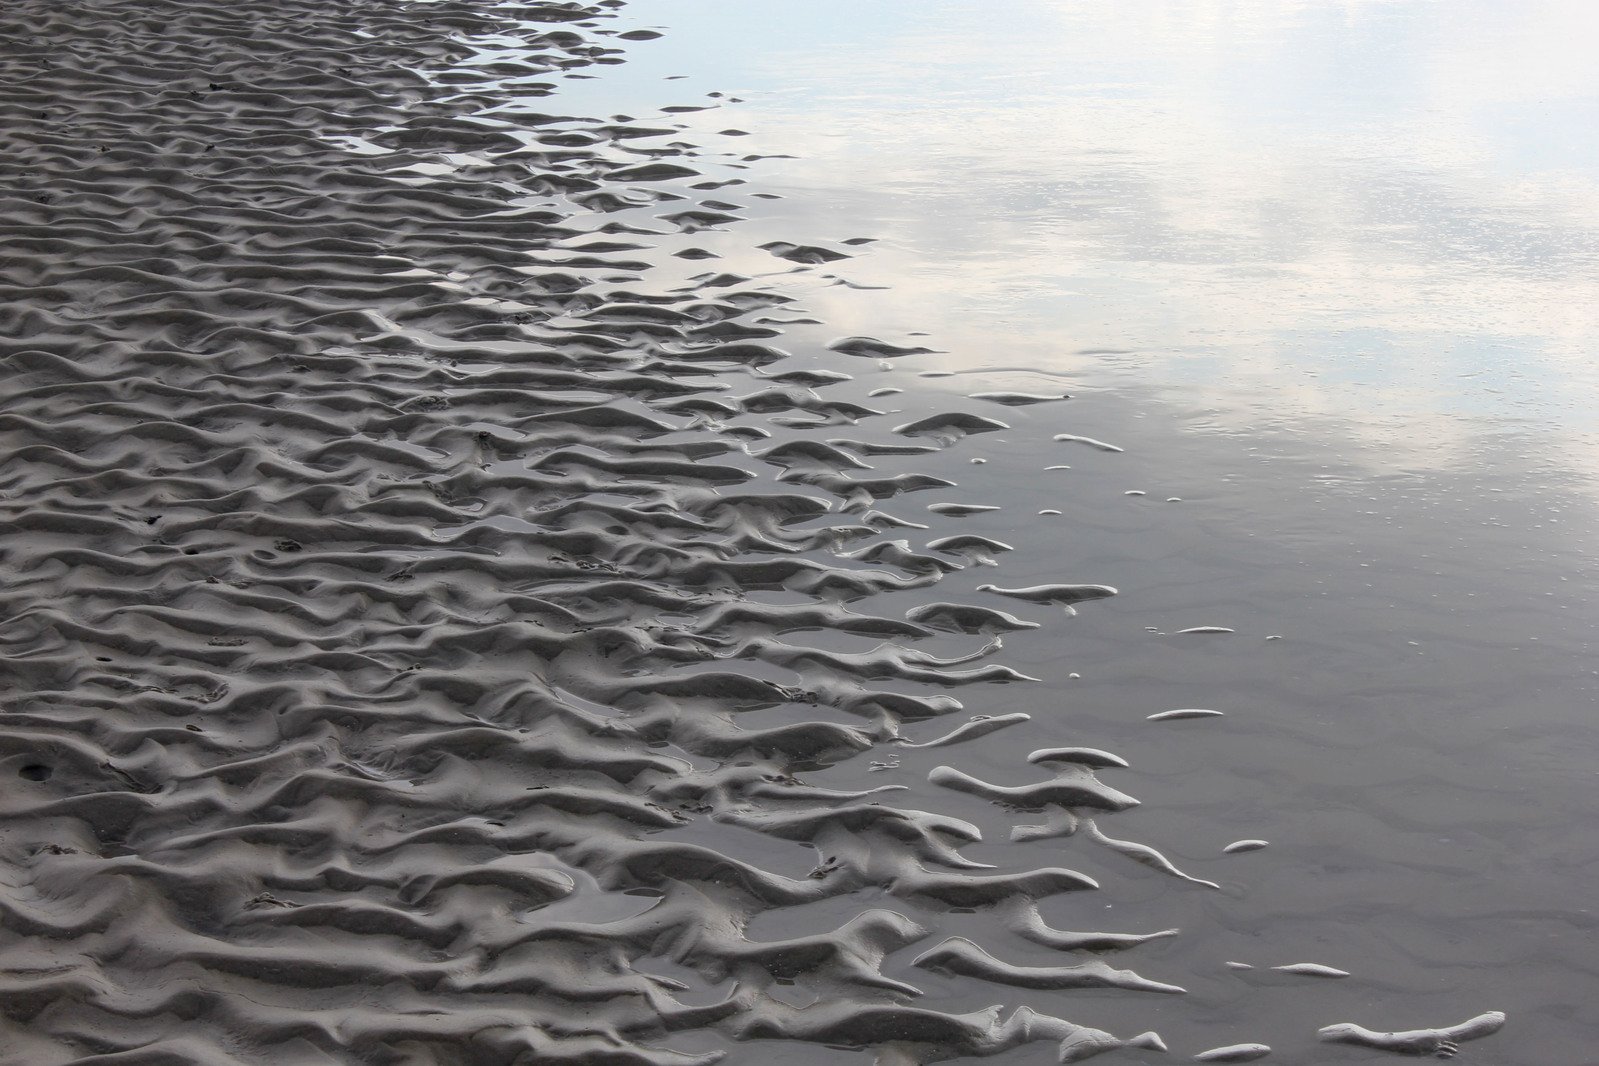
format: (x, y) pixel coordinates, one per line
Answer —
(379, 581)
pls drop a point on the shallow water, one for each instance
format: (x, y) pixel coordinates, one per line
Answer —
(434, 616)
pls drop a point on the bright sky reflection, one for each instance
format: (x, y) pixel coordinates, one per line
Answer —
(1285, 210)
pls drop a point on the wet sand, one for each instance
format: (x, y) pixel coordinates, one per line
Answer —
(451, 615)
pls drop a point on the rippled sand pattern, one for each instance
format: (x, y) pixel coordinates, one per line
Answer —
(388, 570)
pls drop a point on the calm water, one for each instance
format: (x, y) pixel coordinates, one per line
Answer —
(1368, 213)
(1329, 275)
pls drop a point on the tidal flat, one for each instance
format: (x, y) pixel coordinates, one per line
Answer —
(684, 531)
